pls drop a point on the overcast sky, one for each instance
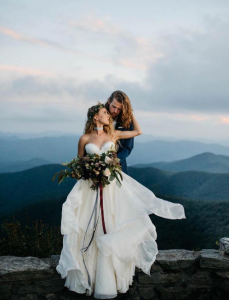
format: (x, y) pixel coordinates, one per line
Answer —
(171, 58)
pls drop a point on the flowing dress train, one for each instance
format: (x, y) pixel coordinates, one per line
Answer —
(108, 266)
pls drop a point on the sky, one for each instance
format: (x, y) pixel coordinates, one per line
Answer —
(58, 58)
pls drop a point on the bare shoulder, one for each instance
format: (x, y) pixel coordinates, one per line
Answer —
(84, 139)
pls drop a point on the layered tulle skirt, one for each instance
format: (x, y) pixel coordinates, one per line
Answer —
(108, 265)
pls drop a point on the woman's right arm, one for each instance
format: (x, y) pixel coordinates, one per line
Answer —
(129, 133)
(81, 145)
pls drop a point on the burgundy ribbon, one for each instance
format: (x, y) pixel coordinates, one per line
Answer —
(101, 206)
(84, 249)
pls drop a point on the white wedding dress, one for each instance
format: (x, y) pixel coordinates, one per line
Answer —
(129, 242)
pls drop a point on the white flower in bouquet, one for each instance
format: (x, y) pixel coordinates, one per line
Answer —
(106, 172)
(91, 167)
(108, 160)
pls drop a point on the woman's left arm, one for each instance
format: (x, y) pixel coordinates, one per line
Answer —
(129, 134)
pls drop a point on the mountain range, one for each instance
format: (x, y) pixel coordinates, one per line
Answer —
(206, 221)
(190, 184)
(64, 148)
(204, 162)
(9, 167)
(34, 185)
(203, 195)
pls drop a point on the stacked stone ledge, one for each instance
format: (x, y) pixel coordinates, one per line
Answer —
(176, 275)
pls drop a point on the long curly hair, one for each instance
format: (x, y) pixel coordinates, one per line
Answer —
(91, 123)
(126, 115)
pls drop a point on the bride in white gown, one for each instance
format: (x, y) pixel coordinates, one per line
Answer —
(107, 267)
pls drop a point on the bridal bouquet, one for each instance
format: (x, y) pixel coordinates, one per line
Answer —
(99, 168)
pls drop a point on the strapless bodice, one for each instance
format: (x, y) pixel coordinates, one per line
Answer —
(92, 148)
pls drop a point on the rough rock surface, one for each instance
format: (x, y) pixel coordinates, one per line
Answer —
(224, 246)
(176, 275)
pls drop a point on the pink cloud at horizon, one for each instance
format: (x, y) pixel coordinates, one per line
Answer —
(180, 116)
(225, 120)
(23, 70)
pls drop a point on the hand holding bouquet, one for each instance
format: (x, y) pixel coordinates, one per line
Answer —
(99, 168)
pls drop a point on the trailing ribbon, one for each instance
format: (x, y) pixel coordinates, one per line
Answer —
(94, 211)
(101, 206)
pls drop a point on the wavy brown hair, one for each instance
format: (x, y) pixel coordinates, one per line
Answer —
(90, 123)
(126, 115)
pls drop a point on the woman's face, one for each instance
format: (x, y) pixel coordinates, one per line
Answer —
(103, 116)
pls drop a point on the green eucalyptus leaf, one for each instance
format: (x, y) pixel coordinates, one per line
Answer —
(60, 175)
(54, 176)
(111, 178)
(120, 174)
(118, 183)
(62, 178)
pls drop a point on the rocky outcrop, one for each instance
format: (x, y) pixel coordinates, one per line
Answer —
(176, 274)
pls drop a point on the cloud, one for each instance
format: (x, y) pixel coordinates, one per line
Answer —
(174, 116)
(15, 35)
(57, 104)
(225, 120)
(193, 74)
(191, 77)
(28, 86)
(128, 50)
(186, 71)
(91, 23)
(45, 43)
(23, 70)
(89, 55)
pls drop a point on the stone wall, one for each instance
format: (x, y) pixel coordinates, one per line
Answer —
(176, 274)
